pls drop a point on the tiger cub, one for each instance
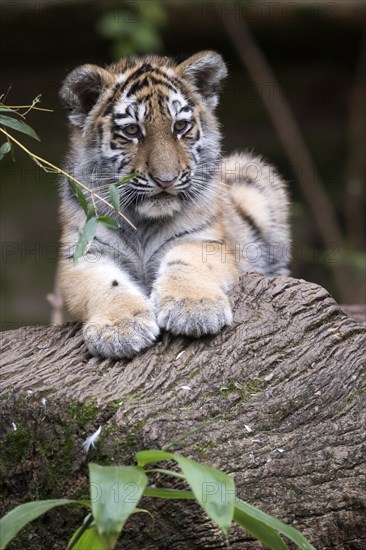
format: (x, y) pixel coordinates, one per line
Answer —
(200, 220)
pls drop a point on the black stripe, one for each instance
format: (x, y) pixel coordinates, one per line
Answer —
(146, 67)
(122, 164)
(165, 83)
(148, 96)
(108, 109)
(119, 116)
(139, 85)
(174, 79)
(135, 74)
(185, 109)
(120, 139)
(249, 220)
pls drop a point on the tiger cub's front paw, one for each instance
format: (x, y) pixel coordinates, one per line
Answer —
(192, 317)
(124, 338)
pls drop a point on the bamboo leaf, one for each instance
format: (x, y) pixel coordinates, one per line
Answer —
(91, 213)
(4, 149)
(259, 530)
(19, 517)
(108, 222)
(18, 125)
(89, 539)
(116, 492)
(148, 457)
(114, 197)
(126, 179)
(86, 237)
(87, 523)
(79, 195)
(214, 490)
(274, 523)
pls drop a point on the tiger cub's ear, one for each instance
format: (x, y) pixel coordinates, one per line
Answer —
(204, 71)
(81, 91)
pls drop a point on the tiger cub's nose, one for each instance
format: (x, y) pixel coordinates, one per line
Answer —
(164, 183)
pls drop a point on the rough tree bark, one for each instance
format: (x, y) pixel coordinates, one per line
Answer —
(283, 389)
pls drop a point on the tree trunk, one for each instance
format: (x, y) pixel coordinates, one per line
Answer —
(277, 401)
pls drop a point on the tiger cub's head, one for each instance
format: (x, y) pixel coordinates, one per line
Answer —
(151, 117)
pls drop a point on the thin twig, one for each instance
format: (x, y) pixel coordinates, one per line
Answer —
(40, 161)
(12, 107)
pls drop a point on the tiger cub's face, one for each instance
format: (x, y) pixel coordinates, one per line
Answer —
(150, 117)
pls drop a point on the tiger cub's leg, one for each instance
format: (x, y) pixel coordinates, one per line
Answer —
(118, 319)
(189, 295)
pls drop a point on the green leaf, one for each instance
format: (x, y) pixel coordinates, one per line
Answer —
(114, 197)
(259, 530)
(116, 492)
(168, 493)
(20, 516)
(18, 125)
(91, 213)
(274, 523)
(5, 148)
(148, 457)
(87, 523)
(108, 222)
(214, 490)
(86, 237)
(125, 179)
(79, 195)
(89, 540)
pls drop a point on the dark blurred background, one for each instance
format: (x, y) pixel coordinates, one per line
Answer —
(315, 52)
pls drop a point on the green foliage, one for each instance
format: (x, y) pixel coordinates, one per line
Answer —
(117, 490)
(89, 230)
(108, 222)
(213, 490)
(134, 27)
(13, 123)
(4, 149)
(92, 219)
(114, 197)
(79, 195)
(86, 539)
(16, 519)
(18, 125)
(86, 237)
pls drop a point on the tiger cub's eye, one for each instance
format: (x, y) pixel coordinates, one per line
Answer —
(180, 125)
(131, 129)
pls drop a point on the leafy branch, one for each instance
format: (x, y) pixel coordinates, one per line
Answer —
(115, 492)
(92, 218)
